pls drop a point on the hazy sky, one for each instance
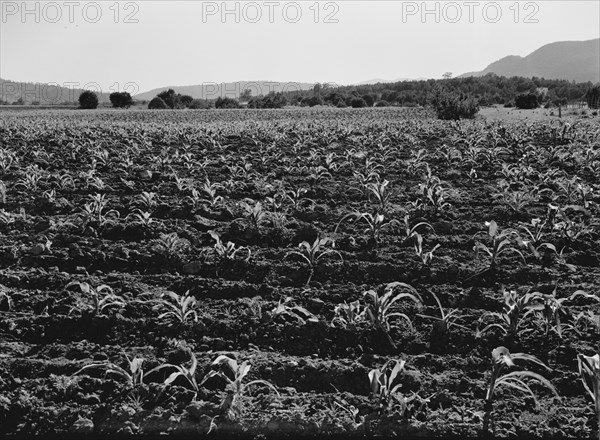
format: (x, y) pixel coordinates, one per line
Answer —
(157, 43)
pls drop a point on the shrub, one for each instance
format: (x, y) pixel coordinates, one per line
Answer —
(157, 104)
(199, 104)
(88, 100)
(358, 103)
(121, 99)
(186, 100)
(226, 103)
(169, 97)
(369, 99)
(593, 97)
(526, 101)
(382, 104)
(452, 106)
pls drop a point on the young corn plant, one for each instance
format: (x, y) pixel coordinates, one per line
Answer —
(255, 215)
(447, 318)
(425, 257)
(298, 313)
(235, 374)
(501, 244)
(178, 307)
(589, 371)
(388, 393)
(411, 231)
(502, 359)
(379, 306)
(227, 251)
(189, 374)
(382, 194)
(551, 309)
(134, 376)
(348, 316)
(375, 224)
(103, 297)
(515, 310)
(312, 254)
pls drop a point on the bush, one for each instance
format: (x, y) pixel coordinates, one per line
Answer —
(452, 106)
(157, 104)
(226, 103)
(199, 104)
(527, 101)
(186, 101)
(358, 103)
(592, 97)
(169, 97)
(382, 104)
(88, 100)
(121, 99)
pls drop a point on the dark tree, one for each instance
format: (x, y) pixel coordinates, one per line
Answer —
(186, 100)
(527, 101)
(226, 103)
(358, 102)
(169, 97)
(593, 97)
(453, 106)
(88, 100)
(157, 104)
(121, 99)
(369, 99)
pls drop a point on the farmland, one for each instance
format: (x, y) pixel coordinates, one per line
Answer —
(297, 271)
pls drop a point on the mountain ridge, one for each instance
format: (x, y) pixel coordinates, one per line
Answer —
(577, 61)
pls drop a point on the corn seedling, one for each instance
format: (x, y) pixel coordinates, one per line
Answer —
(314, 253)
(589, 371)
(179, 307)
(447, 318)
(255, 215)
(552, 308)
(515, 310)
(235, 374)
(299, 313)
(381, 193)
(134, 377)
(375, 223)
(348, 316)
(379, 306)
(501, 244)
(502, 358)
(425, 257)
(229, 250)
(411, 231)
(146, 200)
(189, 374)
(102, 297)
(387, 392)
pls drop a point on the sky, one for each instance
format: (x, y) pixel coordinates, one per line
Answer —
(141, 45)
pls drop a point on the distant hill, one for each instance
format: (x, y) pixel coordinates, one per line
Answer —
(45, 94)
(231, 90)
(386, 81)
(577, 61)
